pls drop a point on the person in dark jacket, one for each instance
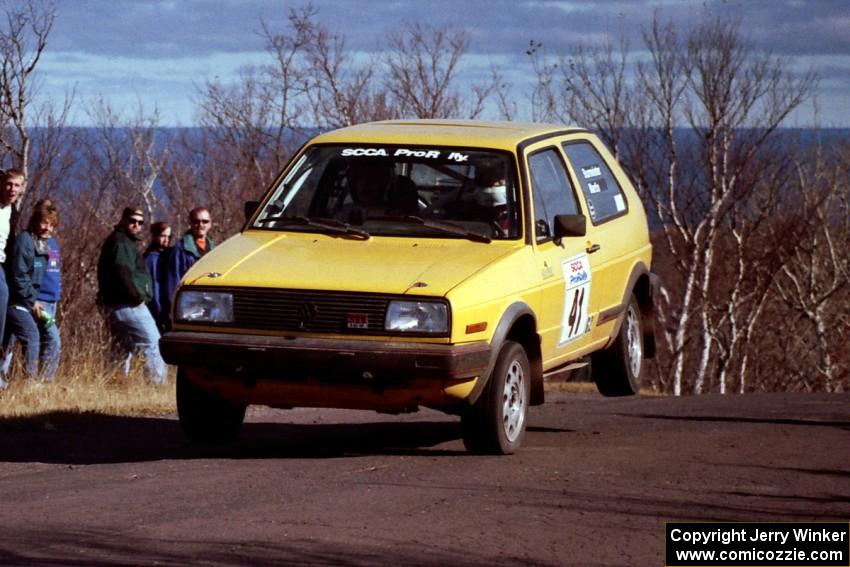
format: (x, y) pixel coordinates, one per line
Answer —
(50, 290)
(124, 289)
(188, 250)
(30, 322)
(155, 256)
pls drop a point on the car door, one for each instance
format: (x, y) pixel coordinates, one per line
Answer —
(564, 320)
(611, 250)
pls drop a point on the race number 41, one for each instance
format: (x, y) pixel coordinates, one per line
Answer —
(577, 280)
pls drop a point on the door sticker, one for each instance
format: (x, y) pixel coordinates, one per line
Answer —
(575, 321)
(591, 171)
(619, 203)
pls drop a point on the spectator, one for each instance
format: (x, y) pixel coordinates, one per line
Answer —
(124, 289)
(12, 187)
(51, 285)
(191, 246)
(29, 320)
(155, 257)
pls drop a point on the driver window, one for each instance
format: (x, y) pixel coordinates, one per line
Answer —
(552, 192)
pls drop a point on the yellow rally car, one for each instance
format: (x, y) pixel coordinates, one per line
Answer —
(399, 264)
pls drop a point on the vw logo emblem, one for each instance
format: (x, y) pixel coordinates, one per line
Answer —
(307, 314)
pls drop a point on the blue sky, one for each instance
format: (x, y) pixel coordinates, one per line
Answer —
(157, 53)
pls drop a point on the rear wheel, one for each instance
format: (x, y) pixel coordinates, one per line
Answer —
(204, 417)
(495, 424)
(617, 369)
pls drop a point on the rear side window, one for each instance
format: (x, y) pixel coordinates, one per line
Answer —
(552, 192)
(605, 199)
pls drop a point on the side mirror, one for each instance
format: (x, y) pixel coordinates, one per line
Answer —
(250, 208)
(570, 225)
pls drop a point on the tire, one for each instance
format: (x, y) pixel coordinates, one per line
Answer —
(496, 423)
(204, 417)
(617, 369)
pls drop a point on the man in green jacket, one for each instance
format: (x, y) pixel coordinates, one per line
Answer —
(124, 289)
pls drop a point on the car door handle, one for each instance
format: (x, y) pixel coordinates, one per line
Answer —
(593, 248)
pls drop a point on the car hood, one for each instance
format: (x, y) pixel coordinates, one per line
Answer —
(423, 266)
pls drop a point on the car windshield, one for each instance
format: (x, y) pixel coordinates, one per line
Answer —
(365, 191)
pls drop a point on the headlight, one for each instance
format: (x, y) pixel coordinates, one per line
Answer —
(204, 307)
(417, 317)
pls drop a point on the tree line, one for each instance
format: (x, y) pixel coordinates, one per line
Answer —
(750, 220)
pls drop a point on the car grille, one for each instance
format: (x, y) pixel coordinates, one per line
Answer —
(309, 311)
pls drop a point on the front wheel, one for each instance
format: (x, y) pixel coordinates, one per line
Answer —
(617, 369)
(495, 424)
(204, 417)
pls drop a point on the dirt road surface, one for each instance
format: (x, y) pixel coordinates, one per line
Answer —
(594, 484)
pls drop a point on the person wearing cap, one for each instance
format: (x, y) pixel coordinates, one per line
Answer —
(124, 289)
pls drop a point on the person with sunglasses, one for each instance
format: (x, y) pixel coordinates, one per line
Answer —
(125, 288)
(194, 243)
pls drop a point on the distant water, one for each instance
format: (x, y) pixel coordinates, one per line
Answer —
(164, 137)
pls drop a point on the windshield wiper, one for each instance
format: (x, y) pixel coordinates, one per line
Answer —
(331, 225)
(447, 227)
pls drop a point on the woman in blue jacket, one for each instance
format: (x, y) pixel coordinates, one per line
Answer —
(29, 321)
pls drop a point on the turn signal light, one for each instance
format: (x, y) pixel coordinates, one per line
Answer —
(476, 327)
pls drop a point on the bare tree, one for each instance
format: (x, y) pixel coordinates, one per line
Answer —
(704, 196)
(249, 129)
(53, 150)
(589, 86)
(257, 114)
(738, 98)
(341, 89)
(241, 146)
(422, 72)
(127, 159)
(23, 39)
(815, 278)
(695, 128)
(314, 81)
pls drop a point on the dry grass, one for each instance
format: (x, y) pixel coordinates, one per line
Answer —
(132, 398)
(86, 386)
(116, 395)
(589, 388)
(573, 387)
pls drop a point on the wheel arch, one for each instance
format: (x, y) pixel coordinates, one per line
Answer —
(644, 285)
(645, 289)
(517, 324)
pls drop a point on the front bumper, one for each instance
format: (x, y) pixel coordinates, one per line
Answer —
(294, 356)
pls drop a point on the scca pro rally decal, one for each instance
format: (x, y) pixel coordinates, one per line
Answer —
(575, 322)
(458, 157)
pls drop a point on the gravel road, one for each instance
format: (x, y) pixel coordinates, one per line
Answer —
(594, 484)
